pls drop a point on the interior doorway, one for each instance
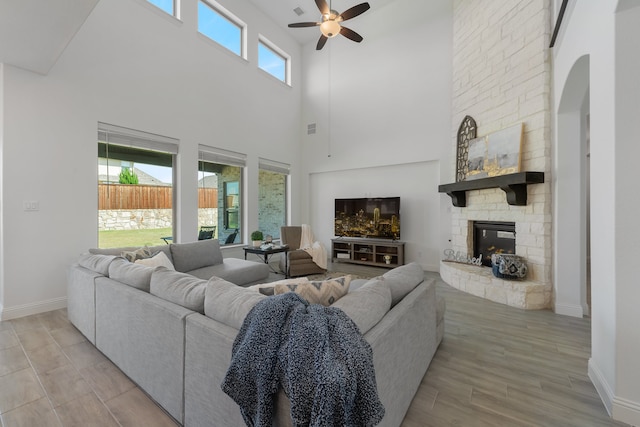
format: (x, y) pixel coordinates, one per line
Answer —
(571, 195)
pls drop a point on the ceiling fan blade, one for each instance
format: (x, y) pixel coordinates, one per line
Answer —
(321, 42)
(355, 11)
(323, 6)
(350, 34)
(304, 24)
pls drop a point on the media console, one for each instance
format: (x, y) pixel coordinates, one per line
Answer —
(377, 252)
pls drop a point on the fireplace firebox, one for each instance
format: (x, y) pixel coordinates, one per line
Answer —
(493, 237)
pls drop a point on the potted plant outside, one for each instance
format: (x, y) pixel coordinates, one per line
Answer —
(257, 238)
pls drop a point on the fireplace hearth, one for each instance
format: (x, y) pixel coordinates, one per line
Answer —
(493, 237)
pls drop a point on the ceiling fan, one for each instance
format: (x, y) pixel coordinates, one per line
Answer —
(330, 25)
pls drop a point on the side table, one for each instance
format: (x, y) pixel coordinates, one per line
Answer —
(265, 255)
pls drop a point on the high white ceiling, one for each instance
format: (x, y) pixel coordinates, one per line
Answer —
(281, 11)
(33, 33)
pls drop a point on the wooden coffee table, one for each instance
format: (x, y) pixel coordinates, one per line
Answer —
(265, 255)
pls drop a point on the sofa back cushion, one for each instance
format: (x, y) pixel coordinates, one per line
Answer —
(228, 303)
(366, 305)
(190, 256)
(98, 263)
(402, 280)
(179, 288)
(152, 250)
(134, 275)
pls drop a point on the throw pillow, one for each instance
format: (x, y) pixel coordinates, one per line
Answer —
(158, 260)
(268, 289)
(141, 253)
(324, 292)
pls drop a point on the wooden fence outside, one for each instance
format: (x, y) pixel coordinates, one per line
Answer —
(129, 196)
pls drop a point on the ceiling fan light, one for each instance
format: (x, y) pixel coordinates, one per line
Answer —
(330, 28)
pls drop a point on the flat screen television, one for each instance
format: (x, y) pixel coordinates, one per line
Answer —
(377, 218)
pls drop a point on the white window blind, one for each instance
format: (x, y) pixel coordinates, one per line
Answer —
(273, 166)
(117, 135)
(218, 155)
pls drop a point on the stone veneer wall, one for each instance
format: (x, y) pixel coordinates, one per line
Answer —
(501, 76)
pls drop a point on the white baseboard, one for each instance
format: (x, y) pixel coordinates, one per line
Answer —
(626, 411)
(7, 313)
(601, 385)
(619, 409)
(569, 310)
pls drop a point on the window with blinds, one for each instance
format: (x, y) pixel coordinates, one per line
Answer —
(135, 187)
(220, 192)
(272, 196)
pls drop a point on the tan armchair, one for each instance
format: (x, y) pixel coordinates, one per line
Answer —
(300, 262)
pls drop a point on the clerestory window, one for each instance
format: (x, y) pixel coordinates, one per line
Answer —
(221, 26)
(273, 60)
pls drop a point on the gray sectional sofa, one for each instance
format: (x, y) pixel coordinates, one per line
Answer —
(172, 333)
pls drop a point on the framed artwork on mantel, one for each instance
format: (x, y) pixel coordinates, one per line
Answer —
(498, 153)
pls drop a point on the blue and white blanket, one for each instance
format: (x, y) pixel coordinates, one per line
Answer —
(315, 353)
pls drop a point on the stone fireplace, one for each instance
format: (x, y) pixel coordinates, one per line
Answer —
(501, 77)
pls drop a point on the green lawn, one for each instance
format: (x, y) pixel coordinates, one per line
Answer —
(120, 238)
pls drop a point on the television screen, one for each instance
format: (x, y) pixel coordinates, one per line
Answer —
(368, 217)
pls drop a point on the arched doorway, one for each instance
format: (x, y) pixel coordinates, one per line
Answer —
(571, 194)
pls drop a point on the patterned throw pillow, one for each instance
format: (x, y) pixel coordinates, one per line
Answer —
(324, 292)
(268, 289)
(142, 253)
(158, 260)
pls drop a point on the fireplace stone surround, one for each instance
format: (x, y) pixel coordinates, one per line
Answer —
(533, 243)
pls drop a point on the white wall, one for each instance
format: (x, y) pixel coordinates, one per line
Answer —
(134, 66)
(389, 103)
(593, 29)
(419, 204)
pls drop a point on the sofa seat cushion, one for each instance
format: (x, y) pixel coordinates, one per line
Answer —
(228, 303)
(179, 288)
(234, 270)
(366, 305)
(134, 275)
(195, 255)
(324, 292)
(98, 263)
(402, 280)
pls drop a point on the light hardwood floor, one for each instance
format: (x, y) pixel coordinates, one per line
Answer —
(497, 366)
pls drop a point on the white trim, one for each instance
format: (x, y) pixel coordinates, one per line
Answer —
(601, 385)
(32, 308)
(618, 408)
(626, 411)
(569, 310)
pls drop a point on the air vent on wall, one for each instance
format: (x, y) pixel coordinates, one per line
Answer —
(311, 128)
(298, 11)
